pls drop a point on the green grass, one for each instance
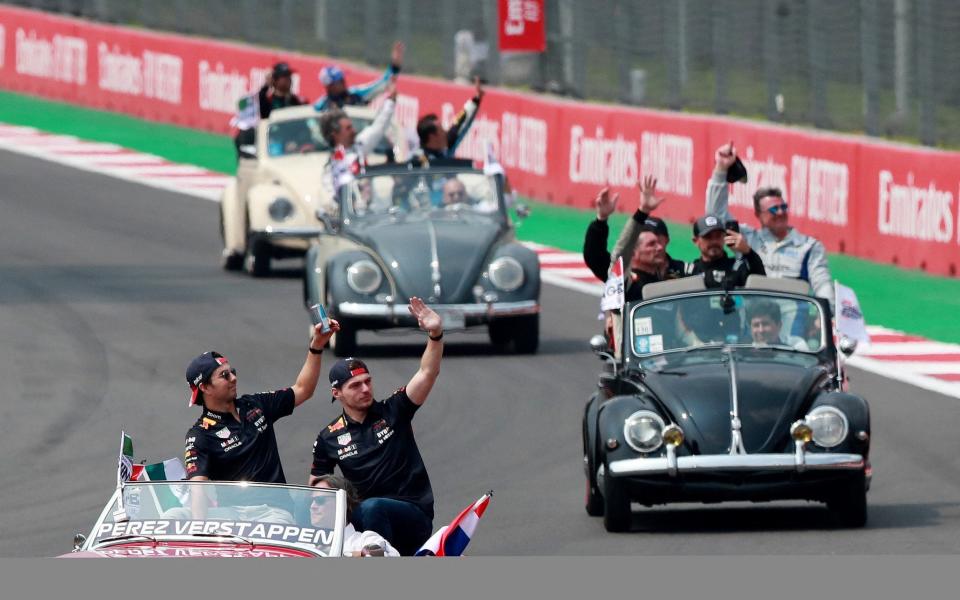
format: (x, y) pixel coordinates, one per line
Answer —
(880, 288)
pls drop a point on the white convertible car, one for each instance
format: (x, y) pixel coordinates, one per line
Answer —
(282, 190)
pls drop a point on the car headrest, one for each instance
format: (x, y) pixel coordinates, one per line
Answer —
(776, 284)
(673, 286)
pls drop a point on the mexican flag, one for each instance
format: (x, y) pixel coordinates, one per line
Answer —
(167, 497)
(125, 462)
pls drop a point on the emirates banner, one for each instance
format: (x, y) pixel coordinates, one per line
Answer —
(877, 200)
(522, 27)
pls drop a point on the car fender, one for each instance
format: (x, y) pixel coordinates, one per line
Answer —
(590, 415)
(858, 418)
(232, 213)
(531, 270)
(611, 417)
(337, 290)
(259, 199)
(315, 267)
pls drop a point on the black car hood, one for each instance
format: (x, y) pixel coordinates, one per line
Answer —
(462, 247)
(771, 397)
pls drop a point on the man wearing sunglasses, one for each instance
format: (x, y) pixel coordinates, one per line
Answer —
(234, 440)
(785, 251)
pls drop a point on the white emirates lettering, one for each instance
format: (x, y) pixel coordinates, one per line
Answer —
(819, 189)
(3, 45)
(220, 89)
(669, 158)
(62, 59)
(917, 213)
(600, 160)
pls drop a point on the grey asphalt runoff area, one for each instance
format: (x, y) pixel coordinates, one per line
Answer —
(108, 289)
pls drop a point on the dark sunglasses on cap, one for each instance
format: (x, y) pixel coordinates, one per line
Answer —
(227, 374)
(778, 209)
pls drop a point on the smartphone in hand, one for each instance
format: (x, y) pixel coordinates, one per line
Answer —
(318, 315)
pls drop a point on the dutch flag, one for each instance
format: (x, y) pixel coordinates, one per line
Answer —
(452, 539)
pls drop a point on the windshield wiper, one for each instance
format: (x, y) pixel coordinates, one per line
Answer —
(129, 536)
(230, 536)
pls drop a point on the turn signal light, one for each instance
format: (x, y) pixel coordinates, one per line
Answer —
(673, 435)
(801, 432)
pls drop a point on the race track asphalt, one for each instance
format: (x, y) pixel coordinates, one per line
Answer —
(108, 289)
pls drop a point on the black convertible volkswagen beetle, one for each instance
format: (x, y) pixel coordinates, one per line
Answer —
(717, 395)
(442, 233)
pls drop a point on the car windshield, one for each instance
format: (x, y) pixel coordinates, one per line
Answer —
(748, 319)
(440, 194)
(244, 513)
(302, 136)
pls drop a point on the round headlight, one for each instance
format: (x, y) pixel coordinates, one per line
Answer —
(506, 273)
(829, 426)
(280, 209)
(364, 276)
(643, 431)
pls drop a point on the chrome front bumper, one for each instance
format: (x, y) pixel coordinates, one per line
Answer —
(395, 311)
(705, 464)
(279, 233)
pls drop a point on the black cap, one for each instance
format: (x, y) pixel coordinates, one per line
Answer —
(737, 172)
(199, 370)
(657, 226)
(345, 369)
(707, 224)
(282, 69)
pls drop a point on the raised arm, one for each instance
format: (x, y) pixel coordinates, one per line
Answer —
(461, 125)
(595, 253)
(370, 89)
(718, 190)
(307, 379)
(422, 381)
(368, 139)
(631, 229)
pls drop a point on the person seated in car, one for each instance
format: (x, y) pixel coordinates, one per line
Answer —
(454, 192)
(701, 321)
(766, 324)
(355, 543)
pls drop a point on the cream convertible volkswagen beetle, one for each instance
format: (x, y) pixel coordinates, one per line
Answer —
(725, 395)
(441, 233)
(270, 208)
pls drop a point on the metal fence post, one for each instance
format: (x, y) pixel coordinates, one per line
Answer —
(673, 60)
(901, 40)
(926, 77)
(869, 53)
(492, 25)
(818, 62)
(773, 28)
(718, 34)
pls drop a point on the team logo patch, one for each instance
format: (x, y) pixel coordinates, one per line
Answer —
(337, 425)
(344, 439)
(224, 433)
(357, 371)
(207, 423)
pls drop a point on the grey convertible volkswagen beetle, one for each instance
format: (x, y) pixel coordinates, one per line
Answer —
(442, 233)
(725, 395)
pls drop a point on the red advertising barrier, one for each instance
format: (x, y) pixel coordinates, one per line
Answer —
(886, 202)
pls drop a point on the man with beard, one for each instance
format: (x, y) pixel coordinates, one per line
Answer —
(718, 269)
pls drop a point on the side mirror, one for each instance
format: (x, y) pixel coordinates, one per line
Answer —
(78, 541)
(522, 210)
(248, 150)
(598, 344)
(847, 345)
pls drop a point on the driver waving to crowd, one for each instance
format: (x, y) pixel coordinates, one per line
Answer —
(233, 440)
(373, 443)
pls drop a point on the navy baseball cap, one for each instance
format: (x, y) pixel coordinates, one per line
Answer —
(657, 226)
(707, 224)
(282, 69)
(345, 369)
(199, 370)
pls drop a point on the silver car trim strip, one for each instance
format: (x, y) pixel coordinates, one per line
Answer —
(434, 260)
(705, 463)
(736, 437)
(523, 307)
(293, 232)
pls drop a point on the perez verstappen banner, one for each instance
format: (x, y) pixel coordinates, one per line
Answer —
(522, 26)
(882, 201)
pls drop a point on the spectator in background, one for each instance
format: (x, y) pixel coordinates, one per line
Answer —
(339, 94)
(785, 252)
(437, 142)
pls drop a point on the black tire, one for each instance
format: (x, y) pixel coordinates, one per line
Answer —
(526, 334)
(849, 504)
(500, 332)
(344, 342)
(228, 260)
(594, 500)
(616, 505)
(257, 260)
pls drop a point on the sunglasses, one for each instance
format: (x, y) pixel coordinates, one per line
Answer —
(227, 374)
(318, 501)
(778, 209)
